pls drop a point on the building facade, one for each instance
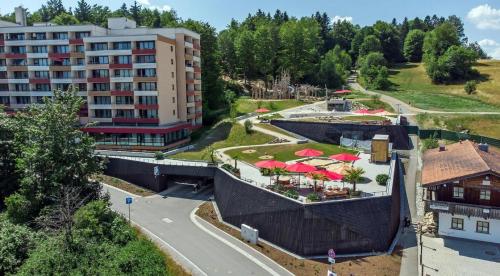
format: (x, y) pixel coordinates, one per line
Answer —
(142, 86)
(462, 185)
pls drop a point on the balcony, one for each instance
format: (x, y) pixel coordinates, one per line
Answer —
(198, 104)
(120, 66)
(144, 51)
(196, 46)
(197, 69)
(39, 80)
(121, 93)
(136, 120)
(146, 106)
(2, 42)
(76, 41)
(190, 93)
(464, 209)
(145, 79)
(59, 55)
(98, 79)
(16, 55)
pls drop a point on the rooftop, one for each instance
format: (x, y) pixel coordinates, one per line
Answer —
(459, 160)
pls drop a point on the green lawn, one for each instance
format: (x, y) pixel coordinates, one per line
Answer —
(487, 125)
(371, 104)
(273, 128)
(245, 105)
(411, 84)
(225, 134)
(284, 152)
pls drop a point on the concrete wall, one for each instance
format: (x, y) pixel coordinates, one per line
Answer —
(469, 231)
(331, 133)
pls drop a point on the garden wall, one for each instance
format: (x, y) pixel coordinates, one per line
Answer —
(331, 132)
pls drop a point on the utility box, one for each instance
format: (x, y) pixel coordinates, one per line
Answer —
(380, 148)
(249, 234)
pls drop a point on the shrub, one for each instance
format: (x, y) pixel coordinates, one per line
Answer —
(159, 155)
(382, 179)
(265, 172)
(431, 143)
(15, 242)
(292, 194)
(470, 87)
(313, 197)
(355, 193)
(248, 126)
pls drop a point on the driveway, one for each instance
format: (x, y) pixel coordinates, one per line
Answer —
(168, 218)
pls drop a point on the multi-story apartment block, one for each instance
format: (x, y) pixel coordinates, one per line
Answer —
(462, 185)
(142, 86)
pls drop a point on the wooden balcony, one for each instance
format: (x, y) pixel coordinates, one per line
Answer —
(463, 209)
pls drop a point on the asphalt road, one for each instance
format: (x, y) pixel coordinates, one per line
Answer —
(168, 219)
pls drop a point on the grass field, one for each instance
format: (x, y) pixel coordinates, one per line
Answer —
(273, 128)
(411, 84)
(371, 104)
(245, 105)
(284, 152)
(225, 134)
(486, 125)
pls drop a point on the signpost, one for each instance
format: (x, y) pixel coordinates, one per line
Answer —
(331, 260)
(128, 201)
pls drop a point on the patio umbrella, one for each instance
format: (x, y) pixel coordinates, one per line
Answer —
(329, 174)
(262, 110)
(308, 153)
(344, 91)
(300, 168)
(270, 164)
(344, 157)
(362, 111)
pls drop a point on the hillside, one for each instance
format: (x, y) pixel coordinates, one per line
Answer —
(411, 84)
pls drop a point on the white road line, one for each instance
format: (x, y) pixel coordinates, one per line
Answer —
(167, 220)
(192, 216)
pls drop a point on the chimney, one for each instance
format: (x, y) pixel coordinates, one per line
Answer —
(484, 147)
(442, 147)
(20, 15)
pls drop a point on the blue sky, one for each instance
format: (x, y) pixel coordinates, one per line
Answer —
(481, 17)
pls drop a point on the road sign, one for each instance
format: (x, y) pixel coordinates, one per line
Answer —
(331, 253)
(156, 170)
(331, 273)
(331, 260)
(128, 200)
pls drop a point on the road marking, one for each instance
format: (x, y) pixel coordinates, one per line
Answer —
(192, 216)
(167, 220)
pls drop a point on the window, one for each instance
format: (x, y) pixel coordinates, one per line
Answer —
(458, 192)
(145, 45)
(171, 61)
(173, 112)
(2, 49)
(99, 60)
(61, 49)
(121, 45)
(123, 73)
(80, 61)
(148, 113)
(483, 227)
(4, 87)
(82, 34)
(60, 35)
(20, 75)
(123, 59)
(147, 86)
(98, 46)
(3, 75)
(62, 74)
(42, 74)
(38, 36)
(39, 49)
(15, 36)
(18, 49)
(124, 86)
(146, 59)
(173, 87)
(2, 62)
(171, 48)
(457, 223)
(23, 99)
(61, 86)
(124, 113)
(484, 194)
(81, 87)
(102, 100)
(100, 86)
(100, 73)
(4, 100)
(173, 75)
(40, 62)
(79, 48)
(148, 72)
(148, 100)
(61, 62)
(42, 87)
(124, 100)
(173, 99)
(80, 74)
(19, 62)
(102, 113)
(21, 87)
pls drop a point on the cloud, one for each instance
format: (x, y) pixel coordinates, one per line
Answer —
(488, 43)
(495, 53)
(338, 18)
(147, 4)
(485, 17)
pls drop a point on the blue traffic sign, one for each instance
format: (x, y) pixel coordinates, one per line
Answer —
(128, 200)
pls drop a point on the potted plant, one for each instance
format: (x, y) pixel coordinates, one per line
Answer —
(354, 175)
(313, 197)
(382, 179)
(159, 155)
(291, 194)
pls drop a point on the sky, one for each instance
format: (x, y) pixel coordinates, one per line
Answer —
(481, 17)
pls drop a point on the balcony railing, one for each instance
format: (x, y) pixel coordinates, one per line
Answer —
(464, 209)
(136, 120)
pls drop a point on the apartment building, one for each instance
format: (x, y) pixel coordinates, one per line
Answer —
(142, 86)
(462, 185)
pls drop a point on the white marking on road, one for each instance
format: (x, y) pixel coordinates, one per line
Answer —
(167, 220)
(192, 216)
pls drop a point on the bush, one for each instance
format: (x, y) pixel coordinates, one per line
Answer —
(15, 243)
(265, 172)
(470, 87)
(355, 193)
(19, 209)
(159, 155)
(292, 194)
(382, 179)
(313, 197)
(431, 143)
(248, 126)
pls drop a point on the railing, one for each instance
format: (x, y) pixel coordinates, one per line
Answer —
(464, 209)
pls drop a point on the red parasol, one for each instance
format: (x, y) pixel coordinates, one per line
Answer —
(328, 174)
(345, 157)
(343, 91)
(300, 168)
(309, 153)
(270, 164)
(362, 111)
(262, 110)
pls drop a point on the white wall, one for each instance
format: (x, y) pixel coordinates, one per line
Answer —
(469, 231)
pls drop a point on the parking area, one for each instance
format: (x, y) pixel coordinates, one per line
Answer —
(450, 256)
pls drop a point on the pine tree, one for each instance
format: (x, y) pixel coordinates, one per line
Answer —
(135, 12)
(82, 11)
